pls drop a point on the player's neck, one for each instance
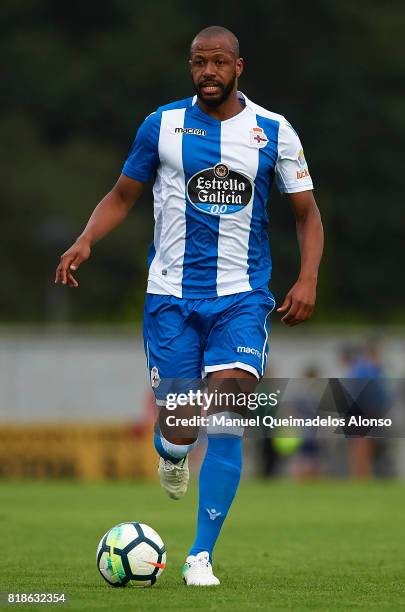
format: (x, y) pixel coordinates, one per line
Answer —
(228, 109)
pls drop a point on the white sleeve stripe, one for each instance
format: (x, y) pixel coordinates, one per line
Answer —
(307, 187)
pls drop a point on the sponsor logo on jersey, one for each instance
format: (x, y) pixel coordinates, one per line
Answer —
(221, 171)
(301, 159)
(154, 377)
(302, 173)
(249, 350)
(258, 138)
(190, 130)
(219, 190)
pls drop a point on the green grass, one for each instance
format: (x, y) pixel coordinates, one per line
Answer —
(285, 546)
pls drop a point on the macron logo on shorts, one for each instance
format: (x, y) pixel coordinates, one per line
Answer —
(249, 350)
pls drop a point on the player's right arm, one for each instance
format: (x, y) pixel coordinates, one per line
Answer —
(110, 212)
(142, 162)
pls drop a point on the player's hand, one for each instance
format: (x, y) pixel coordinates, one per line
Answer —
(299, 303)
(70, 261)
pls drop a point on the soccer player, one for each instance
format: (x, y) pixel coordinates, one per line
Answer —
(213, 157)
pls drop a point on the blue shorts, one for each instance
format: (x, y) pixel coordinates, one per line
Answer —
(185, 338)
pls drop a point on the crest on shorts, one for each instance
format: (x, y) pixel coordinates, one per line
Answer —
(258, 138)
(154, 377)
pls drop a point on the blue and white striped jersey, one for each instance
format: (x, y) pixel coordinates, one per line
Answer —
(212, 183)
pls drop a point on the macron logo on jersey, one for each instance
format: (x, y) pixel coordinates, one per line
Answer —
(190, 130)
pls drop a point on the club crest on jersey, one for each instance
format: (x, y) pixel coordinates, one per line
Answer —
(258, 138)
(154, 377)
(219, 190)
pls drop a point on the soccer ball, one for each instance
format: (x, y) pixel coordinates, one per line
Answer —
(131, 552)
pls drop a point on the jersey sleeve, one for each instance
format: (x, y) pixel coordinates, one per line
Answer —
(143, 158)
(292, 174)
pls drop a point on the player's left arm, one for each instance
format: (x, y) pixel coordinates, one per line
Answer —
(299, 302)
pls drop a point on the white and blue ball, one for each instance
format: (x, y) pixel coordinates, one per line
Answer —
(131, 553)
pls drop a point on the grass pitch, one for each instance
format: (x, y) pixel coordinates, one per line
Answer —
(285, 546)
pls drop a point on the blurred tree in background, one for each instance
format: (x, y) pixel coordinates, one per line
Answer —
(79, 77)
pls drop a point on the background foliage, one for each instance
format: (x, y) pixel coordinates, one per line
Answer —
(77, 80)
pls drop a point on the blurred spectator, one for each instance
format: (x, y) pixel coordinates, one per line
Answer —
(367, 363)
(297, 453)
(307, 460)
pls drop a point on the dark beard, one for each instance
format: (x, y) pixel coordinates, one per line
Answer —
(226, 92)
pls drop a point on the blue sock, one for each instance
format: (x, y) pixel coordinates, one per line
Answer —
(174, 452)
(218, 483)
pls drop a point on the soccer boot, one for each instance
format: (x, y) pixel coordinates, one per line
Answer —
(197, 571)
(174, 477)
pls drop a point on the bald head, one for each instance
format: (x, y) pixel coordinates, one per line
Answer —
(216, 67)
(216, 32)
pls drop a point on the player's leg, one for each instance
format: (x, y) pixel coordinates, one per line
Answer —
(174, 443)
(173, 351)
(219, 475)
(235, 358)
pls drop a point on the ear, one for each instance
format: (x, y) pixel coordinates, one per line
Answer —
(239, 66)
(189, 64)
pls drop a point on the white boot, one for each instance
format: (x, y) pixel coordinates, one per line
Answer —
(174, 477)
(197, 571)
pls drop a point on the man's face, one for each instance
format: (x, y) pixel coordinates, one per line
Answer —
(214, 69)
